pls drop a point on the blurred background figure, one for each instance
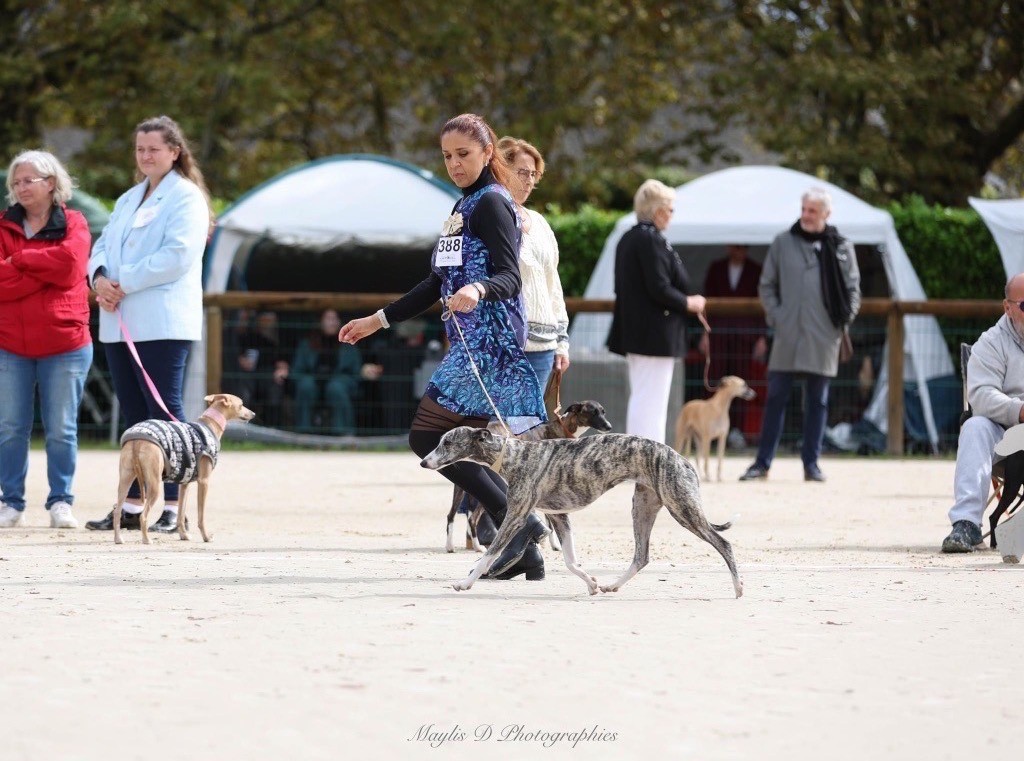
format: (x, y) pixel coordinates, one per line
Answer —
(737, 344)
(327, 373)
(261, 373)
(652, 300)
(547, 343)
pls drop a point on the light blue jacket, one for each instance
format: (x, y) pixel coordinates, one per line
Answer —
(155, 252)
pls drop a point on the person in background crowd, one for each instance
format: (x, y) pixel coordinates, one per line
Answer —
(323, 371)
(44, 331)
(652, 301)
(806, 341)
(146, 269)
(737, 345)
(475, 270)
(547, 343)
(262, 371)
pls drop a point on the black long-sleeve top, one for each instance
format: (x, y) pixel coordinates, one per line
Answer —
(494, 223)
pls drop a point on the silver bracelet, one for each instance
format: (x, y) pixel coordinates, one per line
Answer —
(379, 314)
(480, 289)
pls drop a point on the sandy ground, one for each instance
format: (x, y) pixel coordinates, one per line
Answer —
(320, 624)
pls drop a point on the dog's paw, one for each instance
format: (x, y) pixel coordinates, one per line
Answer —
(462, 586)
(609, 588)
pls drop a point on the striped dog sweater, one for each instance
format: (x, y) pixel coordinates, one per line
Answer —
(183, 444)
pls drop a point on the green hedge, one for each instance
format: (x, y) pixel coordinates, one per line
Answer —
(581, 236)
(952, 251)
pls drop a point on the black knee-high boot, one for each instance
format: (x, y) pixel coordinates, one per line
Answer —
(489, 491)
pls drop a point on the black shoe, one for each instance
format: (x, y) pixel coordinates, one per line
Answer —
(485, 530)
(813, 473)
(963, 538)
(534, 531)
(129, 521)
(531, 564)
(755, 473)
(167, 523)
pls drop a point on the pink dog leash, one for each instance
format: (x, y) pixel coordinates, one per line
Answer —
(135, 355)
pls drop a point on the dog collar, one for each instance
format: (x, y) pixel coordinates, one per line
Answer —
(216, 416)
(561, 422)
(496, 465)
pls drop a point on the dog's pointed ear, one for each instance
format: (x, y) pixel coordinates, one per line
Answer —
(484, 435)
(574, 409)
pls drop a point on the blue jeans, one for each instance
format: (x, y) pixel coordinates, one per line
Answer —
(61, 380)
(542, 362)
(165, 362)
(780, 385)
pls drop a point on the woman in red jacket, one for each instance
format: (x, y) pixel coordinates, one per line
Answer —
(44, 331)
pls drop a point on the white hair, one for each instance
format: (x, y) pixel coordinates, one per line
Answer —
(48, 166)
(651, 196)
(819, 196)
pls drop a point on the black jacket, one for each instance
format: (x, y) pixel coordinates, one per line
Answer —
(650, 296)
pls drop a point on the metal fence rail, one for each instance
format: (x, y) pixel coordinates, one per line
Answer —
(879, 328)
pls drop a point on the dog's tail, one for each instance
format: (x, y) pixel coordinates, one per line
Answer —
(722, 527)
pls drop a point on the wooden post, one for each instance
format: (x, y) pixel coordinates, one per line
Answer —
(214, 350)
(895, 409)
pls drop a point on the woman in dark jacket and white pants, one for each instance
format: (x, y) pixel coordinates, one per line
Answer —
(651, 304)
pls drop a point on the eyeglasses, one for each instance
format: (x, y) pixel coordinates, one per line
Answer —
(27, 183)
(526, 174)
(1020, 304)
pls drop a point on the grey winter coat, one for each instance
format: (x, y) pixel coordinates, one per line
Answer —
(790, 290)
(995, 374)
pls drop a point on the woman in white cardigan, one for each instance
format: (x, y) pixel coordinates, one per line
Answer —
(547, 345)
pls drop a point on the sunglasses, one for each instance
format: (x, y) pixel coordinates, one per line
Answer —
(1020, 304)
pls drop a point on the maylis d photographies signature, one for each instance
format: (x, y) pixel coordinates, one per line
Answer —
(437, 736)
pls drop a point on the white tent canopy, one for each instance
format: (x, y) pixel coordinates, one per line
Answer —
(328, 203)
(752, 205)
(1005, 220)
(331, 202)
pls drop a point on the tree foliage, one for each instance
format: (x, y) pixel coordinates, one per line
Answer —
(884, 99)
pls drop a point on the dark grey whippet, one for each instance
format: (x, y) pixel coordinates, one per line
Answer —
(561, 476)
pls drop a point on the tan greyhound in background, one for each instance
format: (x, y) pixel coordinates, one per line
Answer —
(153, 451)
(708, 419)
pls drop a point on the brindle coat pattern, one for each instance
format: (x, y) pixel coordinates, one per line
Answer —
(574, 421)
(562, 476)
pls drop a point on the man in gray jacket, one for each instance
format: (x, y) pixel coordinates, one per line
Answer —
(995, 391)
(807, 333)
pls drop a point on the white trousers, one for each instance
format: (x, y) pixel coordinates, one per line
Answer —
(973, 477)
(650, 381)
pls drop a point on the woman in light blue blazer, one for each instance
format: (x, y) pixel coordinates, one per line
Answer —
(146, 269)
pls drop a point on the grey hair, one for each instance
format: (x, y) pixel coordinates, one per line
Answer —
(819, 196)
(651, 196)
(48, 166)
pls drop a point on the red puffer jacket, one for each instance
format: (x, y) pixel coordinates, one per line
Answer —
(44, 298)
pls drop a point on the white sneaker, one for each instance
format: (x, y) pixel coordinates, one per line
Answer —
(61, 517)
(9, 517)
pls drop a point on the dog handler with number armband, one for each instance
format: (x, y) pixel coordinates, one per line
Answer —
(146, 269)
(475, 269)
